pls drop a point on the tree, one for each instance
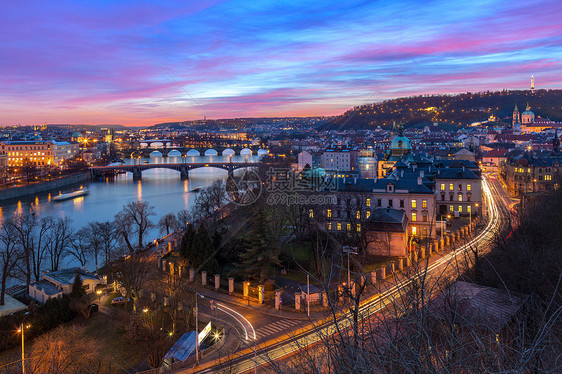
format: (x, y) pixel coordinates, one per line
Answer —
(10, 255)
(260, 260)
(124, 228)
(107, 236)
(77, 286)
(79, 300)
(184, 218)
(198, 248)
(59, 241)
(66, 349)
(138, 214)
(93, 240)
(79, 246)
(132, 274)
(168, 223)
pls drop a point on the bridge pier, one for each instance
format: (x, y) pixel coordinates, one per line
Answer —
(137, 174)
(184, 173)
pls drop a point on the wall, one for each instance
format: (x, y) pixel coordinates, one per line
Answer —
(16, 192)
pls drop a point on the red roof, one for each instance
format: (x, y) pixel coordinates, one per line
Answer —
(496, 153)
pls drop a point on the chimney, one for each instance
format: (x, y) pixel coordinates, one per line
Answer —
(422, 173)
(419, 181)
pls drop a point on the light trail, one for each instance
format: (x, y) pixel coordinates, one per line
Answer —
(233, 316)
(241, 316)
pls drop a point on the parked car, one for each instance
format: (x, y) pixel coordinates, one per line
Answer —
(119, 300)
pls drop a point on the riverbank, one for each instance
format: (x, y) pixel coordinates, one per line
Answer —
(17, 192)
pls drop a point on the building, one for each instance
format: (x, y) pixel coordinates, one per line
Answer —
(40, 153)
(400, 148)
(336, 158)
(459, 191)
(527, 117)
(528, 172)
(387, 233)
(367, 164)
(304, 158)
(58, 283)
(3, 160)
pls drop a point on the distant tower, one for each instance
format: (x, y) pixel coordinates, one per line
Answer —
(516, 119)
(532, 83)
(556, 142)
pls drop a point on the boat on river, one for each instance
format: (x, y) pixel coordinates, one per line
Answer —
(71, 195)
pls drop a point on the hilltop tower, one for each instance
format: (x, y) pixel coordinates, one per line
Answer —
(532, 83)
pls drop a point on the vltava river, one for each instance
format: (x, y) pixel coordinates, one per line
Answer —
(162, 188)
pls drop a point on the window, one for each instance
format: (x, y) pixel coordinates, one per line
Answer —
(329, 225)
(310, 213)
(469, 208)
(548, 177)
(451, 196)
(451, 208)
(358, 215)
(390, 203)
(424, 231)
(401, 203)
(469, 187)
(460, 186)
(414, 204)
(414, 216)
(414, 230)
(329, 213)
(368, 202)
(460, 208)
(442, 186)
(424, 204)
(451, 187)
(338, 226)
(460, 197)
(358, 227)
(349, 227)
(379, 202)
(368, 214)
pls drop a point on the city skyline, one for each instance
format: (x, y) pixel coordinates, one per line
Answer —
(135, 63)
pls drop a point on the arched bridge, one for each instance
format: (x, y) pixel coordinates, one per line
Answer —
(183, 168)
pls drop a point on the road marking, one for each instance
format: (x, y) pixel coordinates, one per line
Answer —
(276, 327)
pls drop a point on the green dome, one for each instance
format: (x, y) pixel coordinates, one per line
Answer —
(401, 142)
(316, 173)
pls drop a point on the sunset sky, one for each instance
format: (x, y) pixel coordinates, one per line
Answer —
(141, 62)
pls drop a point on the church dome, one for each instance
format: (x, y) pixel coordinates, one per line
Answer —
(400, 142)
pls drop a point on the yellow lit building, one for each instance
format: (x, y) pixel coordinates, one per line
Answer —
(41, 153)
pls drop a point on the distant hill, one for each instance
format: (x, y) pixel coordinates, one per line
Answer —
(461, 109)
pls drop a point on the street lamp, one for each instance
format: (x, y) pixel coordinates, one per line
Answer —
(448, 216)
(196, 328)
(21, 329)
(349, 250)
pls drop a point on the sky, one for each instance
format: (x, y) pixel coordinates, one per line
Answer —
(143, 62)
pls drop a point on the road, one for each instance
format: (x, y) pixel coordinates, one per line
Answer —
(254, 355)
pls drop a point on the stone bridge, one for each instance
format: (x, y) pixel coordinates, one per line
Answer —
(183, 168)
(199, 151)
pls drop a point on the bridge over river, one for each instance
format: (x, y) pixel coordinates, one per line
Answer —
(183, 168)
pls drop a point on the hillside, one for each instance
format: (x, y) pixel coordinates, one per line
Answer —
(461, 109)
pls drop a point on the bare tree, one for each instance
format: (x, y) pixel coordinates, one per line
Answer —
(66, 349)
(107, 235)
(138, 213)
(124, 228)
(9, 256)
(59, 241)
(184, 217)
(79, 246)
(168, 223)
(132, 274)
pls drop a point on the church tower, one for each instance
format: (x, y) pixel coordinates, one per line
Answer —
(516, 118)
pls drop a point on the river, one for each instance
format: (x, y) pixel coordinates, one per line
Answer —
(162, 188)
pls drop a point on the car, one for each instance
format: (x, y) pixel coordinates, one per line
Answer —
(94, 308)
(119, 300)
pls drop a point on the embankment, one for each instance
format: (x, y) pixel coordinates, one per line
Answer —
(15, 192)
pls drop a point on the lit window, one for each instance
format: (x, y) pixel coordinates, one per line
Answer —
(368, 214)
(310, 213)
(329, 213)
(451, 208)
(460, 197)
(469, 187)
(442, 186)
(358, 215)
(349, 227)
(469, 208)
(460, 208)
(368, 202)
(451, 187)
(414, 230)
(338, 226)
(414, 204)
(424, 204)
(414, 216)
(329, 225)
(548, 177)
(358, 227)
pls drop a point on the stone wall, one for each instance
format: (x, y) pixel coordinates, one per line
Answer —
(16, 192)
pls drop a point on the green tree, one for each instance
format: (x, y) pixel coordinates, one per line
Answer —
(259, 260)
(77, 287)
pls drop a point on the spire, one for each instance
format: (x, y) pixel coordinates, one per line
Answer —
(528, 106)
(532, 83)
(515, 110)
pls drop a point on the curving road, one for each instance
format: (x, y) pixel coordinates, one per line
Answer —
(500, 217)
